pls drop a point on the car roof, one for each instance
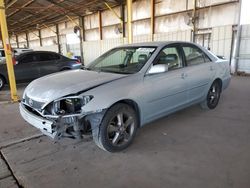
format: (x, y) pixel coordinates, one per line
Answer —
(34, 52)
(155, 44)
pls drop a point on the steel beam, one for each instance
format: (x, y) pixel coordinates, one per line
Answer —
(40, 37)
(27, 39)
(17, 10)
(82, 36)
(17, 41)
(152, 19)
(63, 7)
(194, 19)
(123, 21)
(8, 52)
(11, 3)
(58, 39)
(100, 24)
(129, 21)
(236, 50)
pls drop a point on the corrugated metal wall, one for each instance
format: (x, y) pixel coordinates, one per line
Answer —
(172, 22)
(221, 40)
(244, 55)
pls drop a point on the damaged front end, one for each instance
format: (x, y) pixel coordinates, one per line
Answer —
(64, 117)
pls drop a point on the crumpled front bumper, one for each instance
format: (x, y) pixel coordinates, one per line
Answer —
(62, 126)
(44, 125)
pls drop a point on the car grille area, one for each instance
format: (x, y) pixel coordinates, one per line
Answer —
(32, 103)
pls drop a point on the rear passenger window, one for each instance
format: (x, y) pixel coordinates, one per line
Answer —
(194, 56)
(55, 56)
(49, 57)
(28, 58)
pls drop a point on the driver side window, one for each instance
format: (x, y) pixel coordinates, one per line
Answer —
(169, 56)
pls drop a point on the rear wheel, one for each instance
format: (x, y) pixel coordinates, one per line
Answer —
(65, 69)
(213, 96)
(118, 128)
(2, 82)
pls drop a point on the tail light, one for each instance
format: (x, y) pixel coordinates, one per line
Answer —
(13, 60)
(78, 61)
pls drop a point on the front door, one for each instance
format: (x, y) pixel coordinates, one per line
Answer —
(165, 92)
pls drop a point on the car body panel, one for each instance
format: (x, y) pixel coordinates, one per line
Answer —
(163, 92)
(59, 86)
(199, 80)
(154, 95)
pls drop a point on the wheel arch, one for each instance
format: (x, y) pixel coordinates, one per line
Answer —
(132, 104)
(5, 80)
(219, 81)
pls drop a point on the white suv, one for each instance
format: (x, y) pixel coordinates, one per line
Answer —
(16, 51)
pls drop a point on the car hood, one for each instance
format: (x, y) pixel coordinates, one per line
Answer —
(54, 86)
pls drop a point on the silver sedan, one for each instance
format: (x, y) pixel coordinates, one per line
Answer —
(124, 89)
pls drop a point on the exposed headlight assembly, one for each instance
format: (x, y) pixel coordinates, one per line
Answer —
(70, 105)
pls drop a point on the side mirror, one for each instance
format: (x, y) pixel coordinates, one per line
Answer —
(158, 69)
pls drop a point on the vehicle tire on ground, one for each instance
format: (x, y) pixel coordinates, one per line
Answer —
(65, 69)
(2, 82)
(213, 96)
(117, 129)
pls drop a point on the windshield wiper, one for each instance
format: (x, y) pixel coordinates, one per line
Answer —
(116, 72)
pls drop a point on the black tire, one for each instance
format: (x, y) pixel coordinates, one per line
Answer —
(2, 82)
(65, 69)
(117, 129)
(213, 96)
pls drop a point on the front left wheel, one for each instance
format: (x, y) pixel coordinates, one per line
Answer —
(118, 128)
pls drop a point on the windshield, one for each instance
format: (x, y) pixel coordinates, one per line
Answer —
(127, 60)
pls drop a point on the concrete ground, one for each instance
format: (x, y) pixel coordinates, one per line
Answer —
(192, 148)
(5, 92)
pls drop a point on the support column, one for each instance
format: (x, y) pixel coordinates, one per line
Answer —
(40, 37)
(8, 53)
(100, 24)
(236, 49)
(17, 41)
(194, 20)
(129, 21)
(58, 39)
(152, 19)
(82, 36)
(122, 8)
(27, 40)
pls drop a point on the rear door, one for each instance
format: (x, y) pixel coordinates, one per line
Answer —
(26, 69)
(200, 71)
(165, 92)
(48, 63)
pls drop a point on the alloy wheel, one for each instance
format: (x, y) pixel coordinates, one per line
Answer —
(213, 95)
(121, 129)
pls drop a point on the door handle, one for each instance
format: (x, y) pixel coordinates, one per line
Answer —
(183, 75)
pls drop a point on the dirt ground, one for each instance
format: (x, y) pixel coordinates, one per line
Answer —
(192, 148)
